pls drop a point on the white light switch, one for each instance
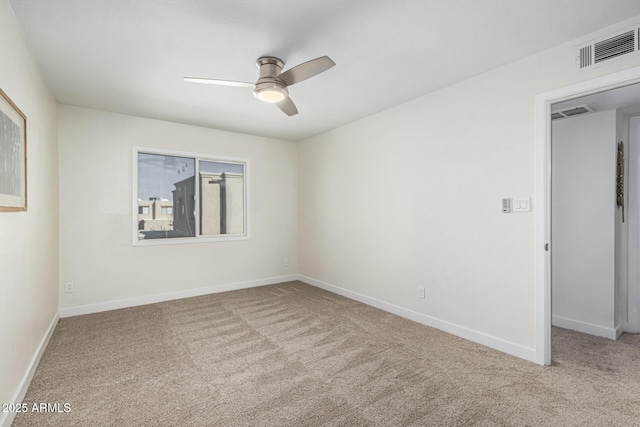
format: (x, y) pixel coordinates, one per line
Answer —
(522, 205)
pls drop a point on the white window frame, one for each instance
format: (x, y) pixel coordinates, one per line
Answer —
(198, 157)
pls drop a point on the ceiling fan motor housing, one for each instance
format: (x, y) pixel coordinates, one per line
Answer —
(269, 88)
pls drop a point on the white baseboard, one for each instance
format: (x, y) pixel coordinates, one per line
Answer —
(6, 418)
(187, 293)
(460, 331)
(586, 328)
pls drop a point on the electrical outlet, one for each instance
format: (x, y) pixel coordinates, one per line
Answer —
(286, 261)
(68, 287)
(421, 293)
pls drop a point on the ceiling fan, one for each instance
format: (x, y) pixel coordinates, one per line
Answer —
(272, 82)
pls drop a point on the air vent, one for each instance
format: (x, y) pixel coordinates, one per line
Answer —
(615, 46)
(586, 57)
(603, 50)
(570, 112)
(575, 111)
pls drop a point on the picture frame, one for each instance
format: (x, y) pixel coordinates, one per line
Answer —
(13, 156)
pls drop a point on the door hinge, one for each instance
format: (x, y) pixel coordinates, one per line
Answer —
(546, 247)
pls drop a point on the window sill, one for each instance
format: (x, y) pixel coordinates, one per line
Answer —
(190, 240)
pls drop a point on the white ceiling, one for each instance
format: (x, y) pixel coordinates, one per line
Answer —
(130, 56)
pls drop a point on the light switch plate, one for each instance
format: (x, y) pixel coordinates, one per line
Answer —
(522, 205)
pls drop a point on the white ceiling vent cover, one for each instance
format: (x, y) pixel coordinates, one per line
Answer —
(570, 112)
(623, 43)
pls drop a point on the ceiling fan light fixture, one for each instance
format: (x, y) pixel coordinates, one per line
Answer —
(271, 95)
(272, 83)
(271, 92)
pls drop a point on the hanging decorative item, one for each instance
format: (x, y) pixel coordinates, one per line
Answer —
(620, 178)
(13, 156)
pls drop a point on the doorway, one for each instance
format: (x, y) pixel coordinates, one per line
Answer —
(543, 214)
(594, 149)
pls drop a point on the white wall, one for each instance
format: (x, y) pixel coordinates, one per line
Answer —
(28, 240)
(633, 279)
(96, 221)
(583, 223)
(622, 232)
(411, 197)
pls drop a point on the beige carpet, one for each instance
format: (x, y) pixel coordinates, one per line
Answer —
(294, 355)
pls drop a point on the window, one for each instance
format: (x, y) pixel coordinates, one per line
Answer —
(183, 197)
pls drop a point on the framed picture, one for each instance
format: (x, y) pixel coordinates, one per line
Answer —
(13, 156)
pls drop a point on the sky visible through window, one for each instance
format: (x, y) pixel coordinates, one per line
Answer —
(158, 173)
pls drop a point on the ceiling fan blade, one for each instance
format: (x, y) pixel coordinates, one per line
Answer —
(306, 70)
(288, 107)
(218, 82)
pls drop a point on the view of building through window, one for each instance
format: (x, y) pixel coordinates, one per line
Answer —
(168, 206)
